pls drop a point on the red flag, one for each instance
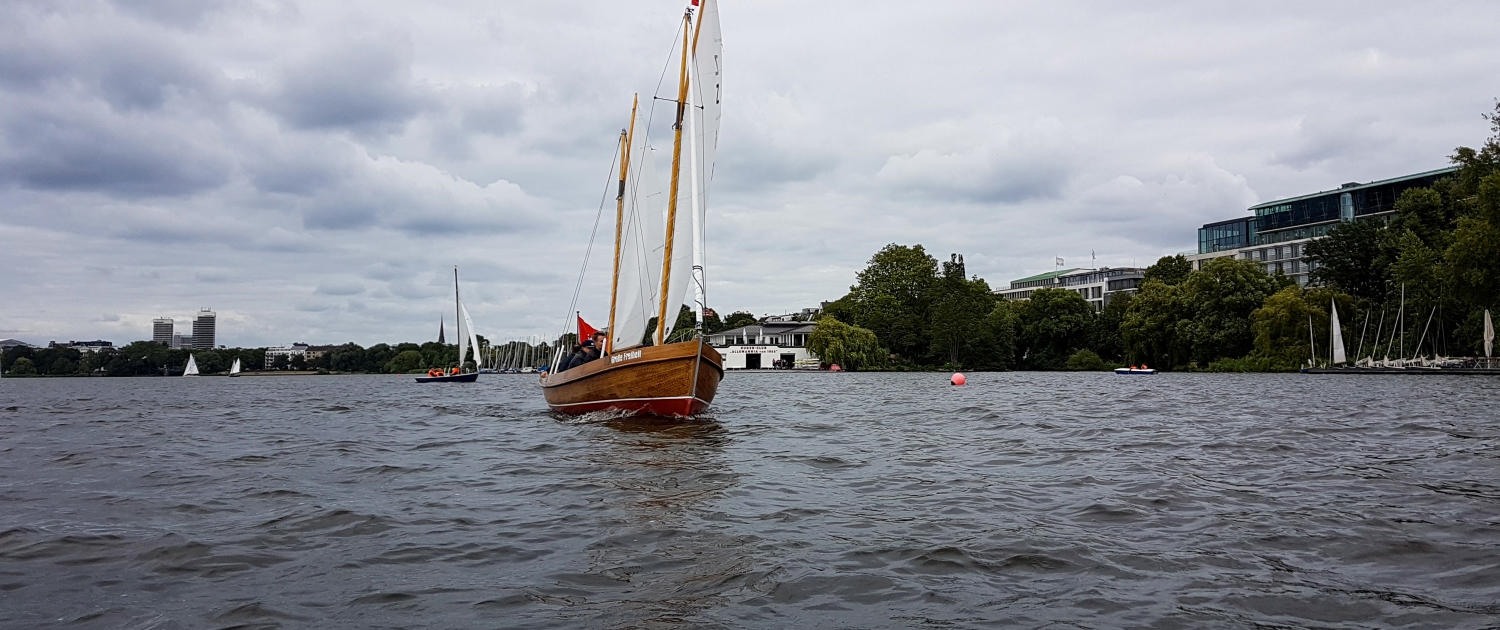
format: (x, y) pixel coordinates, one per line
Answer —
(585, 331)
(695, 3)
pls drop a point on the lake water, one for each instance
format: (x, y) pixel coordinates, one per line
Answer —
(807, 500)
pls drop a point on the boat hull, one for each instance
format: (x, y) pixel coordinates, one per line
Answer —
(455, 378)
(678, 379)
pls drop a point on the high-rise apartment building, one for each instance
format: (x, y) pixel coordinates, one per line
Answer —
(161, 331)
(203, 330)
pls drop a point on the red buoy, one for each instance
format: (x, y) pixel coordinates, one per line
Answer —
(958, 379)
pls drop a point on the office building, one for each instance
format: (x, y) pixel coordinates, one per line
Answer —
(1276, 234)
(780, 345)
(294, 350)
(1097, 286)
(181, 342)
(203, 330)
(161, 331)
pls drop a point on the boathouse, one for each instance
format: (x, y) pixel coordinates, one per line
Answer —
(769, 345)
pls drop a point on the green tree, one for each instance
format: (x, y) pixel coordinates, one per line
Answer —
(1169, 269)
(22, 367)
(405, 362)
(1054, 323)
(1355, 258)
(1221, 298)
(738, 319)
(1155, 327)
(893, 298)
(996, 347)
(1281, 326)
(850, 347)
(1086, 360)
(959, 308)
(1105, 339)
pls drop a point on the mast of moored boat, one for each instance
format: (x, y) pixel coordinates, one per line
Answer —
(666, 267)
(614, 286)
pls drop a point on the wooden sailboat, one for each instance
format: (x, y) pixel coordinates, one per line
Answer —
(462, 317)
(666, 379)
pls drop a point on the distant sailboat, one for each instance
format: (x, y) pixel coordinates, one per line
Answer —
(1489, 334)
(234, 370)
(457, 375)
(192, 367)
(1338, 335)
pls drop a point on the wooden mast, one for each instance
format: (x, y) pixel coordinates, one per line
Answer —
(682, 94)
(614, 288)
(458, 318)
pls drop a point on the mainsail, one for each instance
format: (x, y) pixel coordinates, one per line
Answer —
(1489, 334)
(473, 338)
(1338, 334)
(703, 123)
(235, 369)
(192, 367)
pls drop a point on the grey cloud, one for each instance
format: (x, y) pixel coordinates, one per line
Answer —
(362, 84)
(1328, 135)
(341, 287)
(179, 13)
(1013, 168)
(66, 145)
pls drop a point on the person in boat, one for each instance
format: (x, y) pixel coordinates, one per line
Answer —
(574, 359)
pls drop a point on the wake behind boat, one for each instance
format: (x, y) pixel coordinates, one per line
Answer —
(657, 256)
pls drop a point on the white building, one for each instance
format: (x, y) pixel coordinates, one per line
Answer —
(1097, 286)
(771, 345)
(294, 350)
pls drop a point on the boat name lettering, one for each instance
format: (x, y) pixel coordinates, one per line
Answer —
(625, 356)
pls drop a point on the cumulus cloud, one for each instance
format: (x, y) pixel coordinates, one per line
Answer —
(1015, 166)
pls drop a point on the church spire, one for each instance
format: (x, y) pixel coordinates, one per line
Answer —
(441, 340)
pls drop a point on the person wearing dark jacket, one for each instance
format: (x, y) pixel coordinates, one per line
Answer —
(573, 360)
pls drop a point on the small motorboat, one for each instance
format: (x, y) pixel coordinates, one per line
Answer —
(467, 377)
(1135, 370)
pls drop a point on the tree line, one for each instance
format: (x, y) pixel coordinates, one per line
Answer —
(1440, 249)
(147, 358)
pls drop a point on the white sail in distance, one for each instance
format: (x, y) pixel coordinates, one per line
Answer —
(473, 338)
(642, 242)
(1489, 334)
(1338, 334)
(235, 369)
(192, 366)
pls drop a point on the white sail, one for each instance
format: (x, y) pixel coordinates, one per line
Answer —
(642, 242)
(703, 124)
(192, 367)
(463, 348)
(235, 369)
(1337, 333)
(473, 338)
(1489, 334)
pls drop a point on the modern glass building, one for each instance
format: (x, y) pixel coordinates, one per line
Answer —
(161, 331)
(203, 330)
(1274, 235)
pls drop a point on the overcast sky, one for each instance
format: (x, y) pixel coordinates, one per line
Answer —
(313, 170)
